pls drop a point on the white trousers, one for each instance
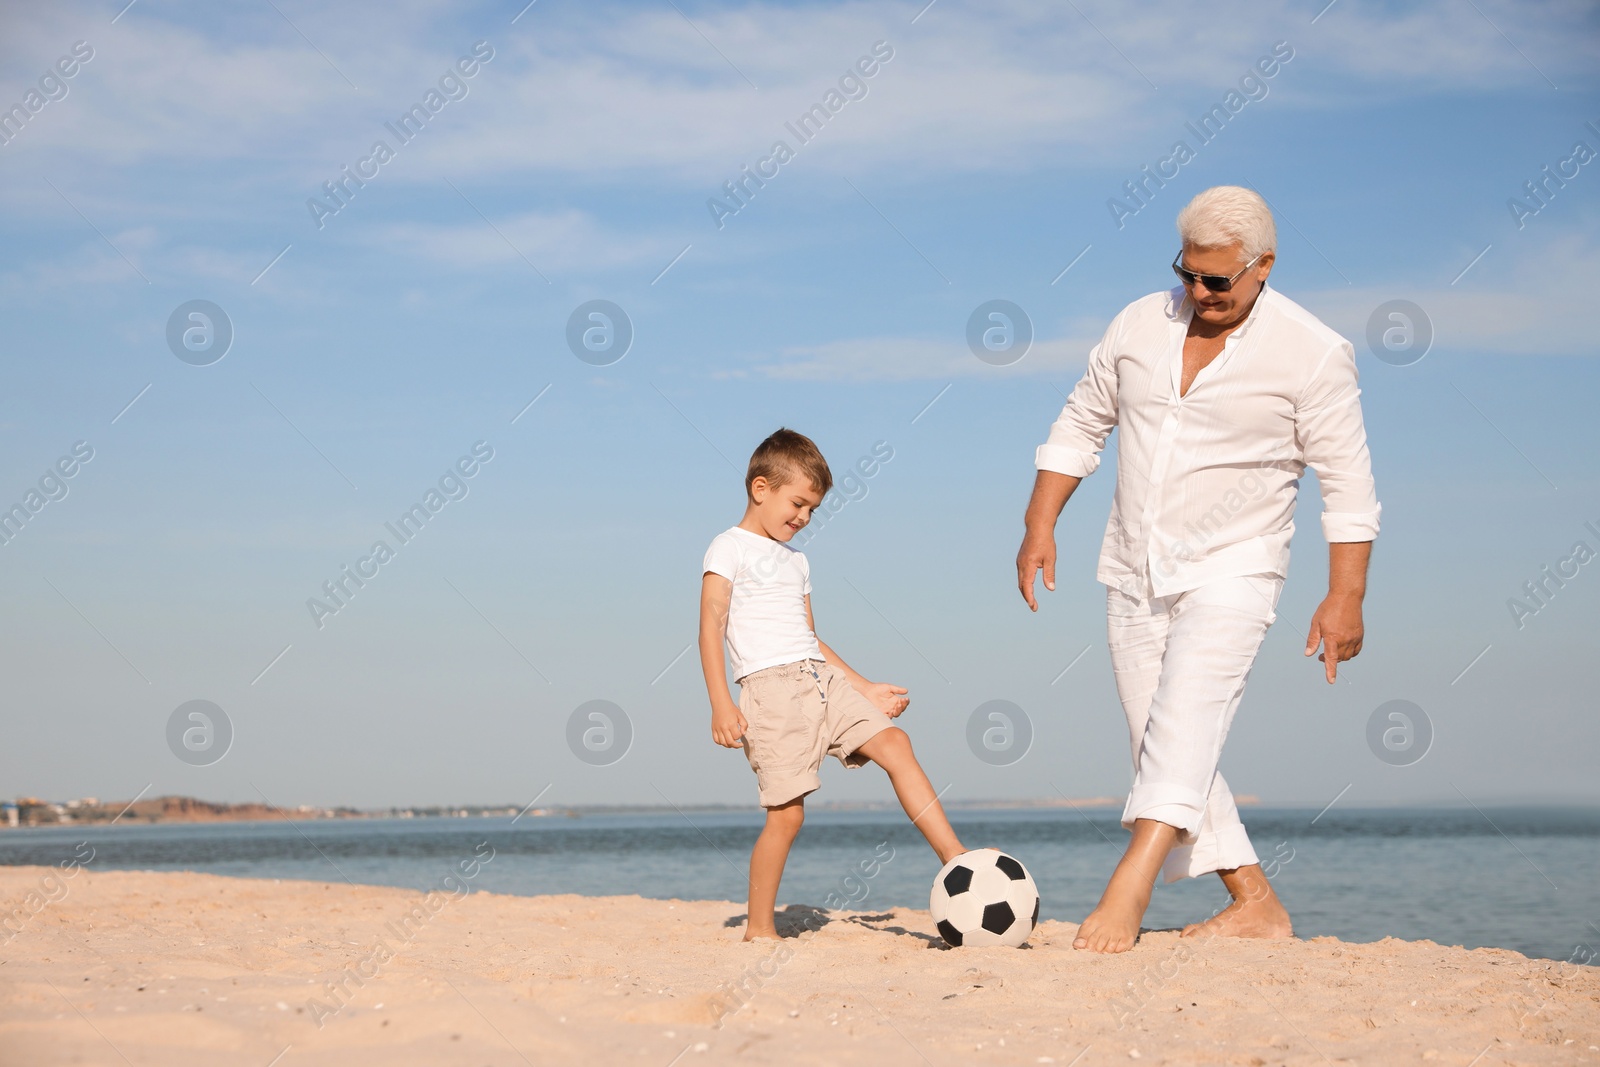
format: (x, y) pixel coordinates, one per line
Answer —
(1181, 663)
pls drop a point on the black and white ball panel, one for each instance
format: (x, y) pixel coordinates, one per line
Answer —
(984, 897)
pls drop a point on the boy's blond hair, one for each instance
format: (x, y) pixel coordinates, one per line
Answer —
(785, 454)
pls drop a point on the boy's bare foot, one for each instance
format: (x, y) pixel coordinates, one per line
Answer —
(1111, 927)
(761, 935)
(1245, 918)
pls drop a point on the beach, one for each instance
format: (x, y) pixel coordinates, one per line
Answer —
(177, 968)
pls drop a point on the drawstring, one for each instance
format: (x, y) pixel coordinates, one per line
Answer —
(808, 666)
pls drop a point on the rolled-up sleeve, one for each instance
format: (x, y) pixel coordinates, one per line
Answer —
(1333, 439)
(1087, 419)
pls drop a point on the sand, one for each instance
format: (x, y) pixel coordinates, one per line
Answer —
(113, 967)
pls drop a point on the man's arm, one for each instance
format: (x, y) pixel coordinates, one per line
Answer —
(1051, 491)
(889, 699)
(1328, 422)
(1069, 455)
(727, 723)
(1337, 622)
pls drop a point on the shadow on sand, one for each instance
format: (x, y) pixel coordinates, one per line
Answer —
(797, 919)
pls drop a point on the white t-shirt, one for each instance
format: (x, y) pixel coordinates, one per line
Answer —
(767, 612)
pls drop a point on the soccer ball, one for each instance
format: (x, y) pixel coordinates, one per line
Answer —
(984, 897)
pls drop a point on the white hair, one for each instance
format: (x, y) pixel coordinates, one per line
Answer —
(1223, 214)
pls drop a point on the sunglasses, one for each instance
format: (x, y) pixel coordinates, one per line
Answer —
(1214, 282)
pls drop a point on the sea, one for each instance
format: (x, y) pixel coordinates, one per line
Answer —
(1522, 878)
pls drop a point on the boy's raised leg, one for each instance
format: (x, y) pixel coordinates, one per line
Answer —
(767, 858)
(891, 750)
(1113, 926)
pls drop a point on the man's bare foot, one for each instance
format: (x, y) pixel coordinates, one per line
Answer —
(1261, 917)
(768, 934)
(1111, 927)
(1256, 910)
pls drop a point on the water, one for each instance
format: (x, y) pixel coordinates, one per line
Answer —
(1520, 878)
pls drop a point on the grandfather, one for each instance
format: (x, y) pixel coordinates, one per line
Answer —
(1225, 391)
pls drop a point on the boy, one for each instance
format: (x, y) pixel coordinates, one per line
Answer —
(798, 700)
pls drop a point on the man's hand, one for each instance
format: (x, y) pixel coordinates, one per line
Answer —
(1337, 626)
(889, 699)
(1051, 491)
(1038, 551)
(728, 726)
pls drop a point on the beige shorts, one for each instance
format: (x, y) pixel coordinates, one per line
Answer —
(797, 714)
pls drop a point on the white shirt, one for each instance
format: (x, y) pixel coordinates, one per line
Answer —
(767, 613)
(1206, 483)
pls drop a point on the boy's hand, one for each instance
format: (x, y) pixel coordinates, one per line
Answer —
(889, 699)
(728, 726)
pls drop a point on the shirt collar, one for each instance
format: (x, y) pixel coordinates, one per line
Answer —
(1179, 309)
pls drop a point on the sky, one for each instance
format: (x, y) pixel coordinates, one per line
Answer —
(364, 343)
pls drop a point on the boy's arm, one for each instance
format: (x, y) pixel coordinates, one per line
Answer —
(727, 724)
(889, 699)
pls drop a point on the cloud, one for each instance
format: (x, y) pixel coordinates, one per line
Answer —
(875, 359)
(608, 92)
(1434, 47)
(1527, 297)
(567, 242)
(997, 87)
(1524, 298)
(160, 90)
(213, 125)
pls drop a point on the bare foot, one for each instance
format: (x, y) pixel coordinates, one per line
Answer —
(1111, 927)
(1246, 917)
(762, 935)
(1256, 910)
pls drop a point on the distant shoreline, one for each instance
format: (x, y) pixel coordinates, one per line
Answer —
(167, 810)
(32, 812)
